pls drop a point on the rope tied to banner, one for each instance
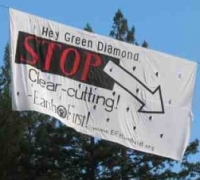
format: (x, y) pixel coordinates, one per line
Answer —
(4, 6)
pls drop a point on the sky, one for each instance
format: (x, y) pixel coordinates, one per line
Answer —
(172, 27)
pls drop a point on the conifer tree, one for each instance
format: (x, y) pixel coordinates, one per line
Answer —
(34, 146)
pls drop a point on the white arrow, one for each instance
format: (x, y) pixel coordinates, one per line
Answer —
(151, 101)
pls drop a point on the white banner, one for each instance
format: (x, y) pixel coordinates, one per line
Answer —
(102, 87)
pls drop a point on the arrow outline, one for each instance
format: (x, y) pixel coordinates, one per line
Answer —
(152, 92)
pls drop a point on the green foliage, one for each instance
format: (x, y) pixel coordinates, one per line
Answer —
(120, 29)
(34, 146)
(11, 125)
(88, 28)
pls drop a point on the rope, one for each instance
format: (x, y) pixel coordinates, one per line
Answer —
(4, 6)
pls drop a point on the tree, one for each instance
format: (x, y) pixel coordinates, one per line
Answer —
(38, 147)
(135, 164)
(11, 125)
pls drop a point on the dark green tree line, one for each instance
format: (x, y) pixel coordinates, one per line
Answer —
(34, 146)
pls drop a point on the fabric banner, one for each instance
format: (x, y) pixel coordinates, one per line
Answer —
(102, 87)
